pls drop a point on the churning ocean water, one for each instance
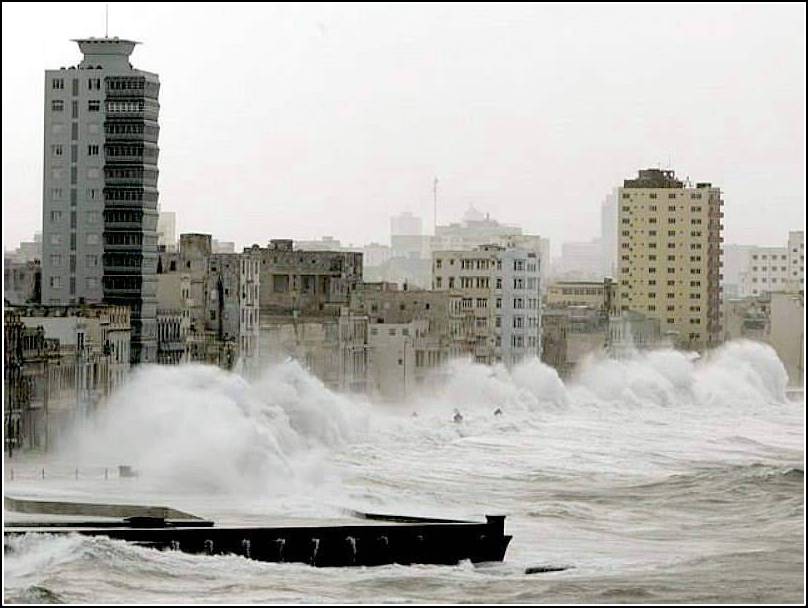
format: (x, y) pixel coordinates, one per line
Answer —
(658, 478)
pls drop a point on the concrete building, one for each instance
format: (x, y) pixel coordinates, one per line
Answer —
(775, 318)
(62, 361)
(375, 254)
(630, 332)
(796, 261)
(737, 265)
(22, 282)
(306, 283)
(167, 231)
(751, 270)
(500, 287)
(232, 304)
(28, 251)
(304, 311)
(219, 295)
(173, 317)
(593, 294)
(608, 235)
(477, 229)
(411, 335)
(100, 194)
(670, 256)
(218, 246)
(571, 334)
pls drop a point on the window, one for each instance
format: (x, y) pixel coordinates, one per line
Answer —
(57, 194)
(56, 216)
(56, 260)
(92, 150)
(92, 261)
(94, 84)
(56, 239)
(58, 84)
(56, 282)
(93, 105)
(92, 239)
(57, 150)
(92, 283)
(57, 105)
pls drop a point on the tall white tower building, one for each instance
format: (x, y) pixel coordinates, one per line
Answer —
(99, 220)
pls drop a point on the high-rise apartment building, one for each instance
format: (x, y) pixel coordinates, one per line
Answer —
(100, 186)
(500, 288)
(669, 255)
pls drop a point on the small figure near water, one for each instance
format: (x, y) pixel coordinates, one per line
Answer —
(498, 411)
(458, 417)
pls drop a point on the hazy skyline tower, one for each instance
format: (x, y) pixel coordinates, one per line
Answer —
(670, 255)
(100, 194)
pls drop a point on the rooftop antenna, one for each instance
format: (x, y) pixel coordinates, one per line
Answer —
(106, 21)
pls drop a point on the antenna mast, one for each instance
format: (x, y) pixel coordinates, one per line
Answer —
(106, 21)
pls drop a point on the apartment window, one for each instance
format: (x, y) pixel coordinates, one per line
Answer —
(672, 195)
(57, 105)
(92, 283)
(56, 216)
(93, 105)
(56, 282)
(438, 283)
(92, 239)
(56, 239)
(57, 150)
(58, 84)
(92, 261)
(56, 260)
(438, 263)
(92, 150)
(94, 84)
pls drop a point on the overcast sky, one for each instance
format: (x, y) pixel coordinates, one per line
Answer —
(308, 120)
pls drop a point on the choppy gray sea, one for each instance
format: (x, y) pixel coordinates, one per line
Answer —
(657, 478)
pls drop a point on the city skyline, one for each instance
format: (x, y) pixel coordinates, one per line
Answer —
(376, 155)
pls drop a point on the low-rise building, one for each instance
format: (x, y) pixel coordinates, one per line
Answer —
(500, 287)
(775, 318)
(22, 281)
(62, 361)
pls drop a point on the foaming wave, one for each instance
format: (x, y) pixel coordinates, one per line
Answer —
(195, 427)
(737, 373)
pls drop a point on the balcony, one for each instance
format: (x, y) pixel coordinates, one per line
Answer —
(144, 114)
(123, 226)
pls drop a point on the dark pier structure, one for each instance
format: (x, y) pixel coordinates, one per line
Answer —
(363, 540)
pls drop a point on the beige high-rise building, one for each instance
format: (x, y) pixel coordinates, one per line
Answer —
(669, 255)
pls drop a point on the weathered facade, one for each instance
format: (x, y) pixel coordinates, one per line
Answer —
(775, 318)
(670, 256)
(500, 287)
(62, 361)
(22, 282)
(220, 296)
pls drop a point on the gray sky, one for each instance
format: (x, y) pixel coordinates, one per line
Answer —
(305, 120)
